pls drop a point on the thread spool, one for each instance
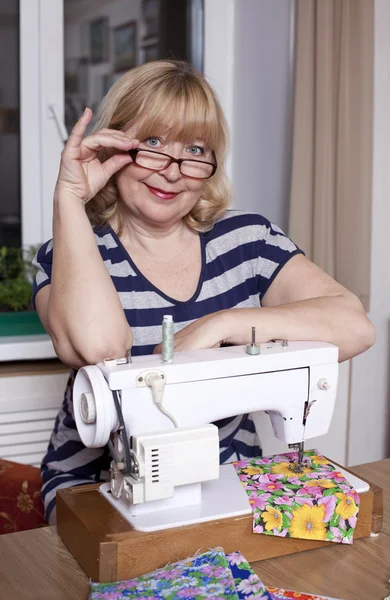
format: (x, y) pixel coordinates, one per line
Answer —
(167, 339)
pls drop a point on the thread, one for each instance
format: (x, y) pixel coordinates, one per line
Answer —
(167, 339)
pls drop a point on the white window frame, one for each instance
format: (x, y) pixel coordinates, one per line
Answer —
(41, 85)
(30, 160)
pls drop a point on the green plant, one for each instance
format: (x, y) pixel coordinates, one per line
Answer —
(16, 276)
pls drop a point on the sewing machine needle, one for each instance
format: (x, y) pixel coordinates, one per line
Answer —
(300, 456)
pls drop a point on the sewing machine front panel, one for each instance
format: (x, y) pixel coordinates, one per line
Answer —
(197, 402)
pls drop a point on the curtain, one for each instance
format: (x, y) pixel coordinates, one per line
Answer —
(331, 178)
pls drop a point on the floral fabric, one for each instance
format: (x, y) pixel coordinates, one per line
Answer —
(21, 506)
(205, 576)
(318, 504)
(211, 575)
(248, 585)
(279, 594)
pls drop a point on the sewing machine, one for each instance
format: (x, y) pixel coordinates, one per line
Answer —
(155, 414)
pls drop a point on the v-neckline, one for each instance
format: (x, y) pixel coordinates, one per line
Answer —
(150, 285)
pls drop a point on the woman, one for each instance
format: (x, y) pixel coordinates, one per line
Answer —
(141, 229)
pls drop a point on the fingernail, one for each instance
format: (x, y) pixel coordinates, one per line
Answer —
(85, 110)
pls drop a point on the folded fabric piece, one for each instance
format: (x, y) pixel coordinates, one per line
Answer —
(204, 576)
(279, 594)
(248, 585)
(210, 575)
(318, 504)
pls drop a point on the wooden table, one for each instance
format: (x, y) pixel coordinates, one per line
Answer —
(35, 565)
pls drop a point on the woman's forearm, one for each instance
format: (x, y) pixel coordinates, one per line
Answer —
(84, 307)
(339, 320)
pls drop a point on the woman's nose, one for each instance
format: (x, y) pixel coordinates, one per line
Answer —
(172, 172)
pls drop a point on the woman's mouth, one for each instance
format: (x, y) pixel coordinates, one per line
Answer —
(163, 194)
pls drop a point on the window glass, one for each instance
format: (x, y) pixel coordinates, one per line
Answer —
(106, 38)
(10, 222)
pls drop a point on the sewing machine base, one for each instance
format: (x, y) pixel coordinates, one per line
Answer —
(108, 548)
(207, 499)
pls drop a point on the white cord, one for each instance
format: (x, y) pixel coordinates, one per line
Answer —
(157, 383)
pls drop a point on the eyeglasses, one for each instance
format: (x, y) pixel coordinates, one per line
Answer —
(157, 161)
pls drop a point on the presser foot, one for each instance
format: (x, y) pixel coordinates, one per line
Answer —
(297, 467)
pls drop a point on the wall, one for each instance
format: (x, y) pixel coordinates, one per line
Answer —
(370, 384)
(263, 79)
(248, 60)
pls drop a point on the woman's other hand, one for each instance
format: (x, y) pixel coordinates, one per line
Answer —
(208, 332)
(82, 175)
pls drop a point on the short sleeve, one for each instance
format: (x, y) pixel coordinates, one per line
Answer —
(275, 250)
(42, 262)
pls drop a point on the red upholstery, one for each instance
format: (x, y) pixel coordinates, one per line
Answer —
(21, 506)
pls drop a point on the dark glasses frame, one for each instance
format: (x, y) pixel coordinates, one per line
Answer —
(133, 153)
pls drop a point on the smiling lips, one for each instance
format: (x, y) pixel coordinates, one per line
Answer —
(164, 195)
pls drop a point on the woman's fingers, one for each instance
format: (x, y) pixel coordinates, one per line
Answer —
(115, 163)
(78, 131)
(99, 140)
(81, 167)
(105, 138)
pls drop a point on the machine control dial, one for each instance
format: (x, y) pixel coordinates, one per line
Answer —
(88, 408)
(323, 384)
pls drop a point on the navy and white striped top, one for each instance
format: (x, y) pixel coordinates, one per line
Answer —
(241, 256)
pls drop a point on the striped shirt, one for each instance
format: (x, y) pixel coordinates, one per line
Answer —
(241, 256)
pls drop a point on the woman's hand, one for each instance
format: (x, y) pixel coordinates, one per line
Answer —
(82, 175)
(208, 332)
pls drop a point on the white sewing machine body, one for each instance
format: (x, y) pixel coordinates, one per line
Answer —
(176, 478)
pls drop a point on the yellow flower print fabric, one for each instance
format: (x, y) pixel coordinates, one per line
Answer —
(317, 504)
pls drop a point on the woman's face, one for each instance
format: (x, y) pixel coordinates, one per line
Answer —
(161, 198)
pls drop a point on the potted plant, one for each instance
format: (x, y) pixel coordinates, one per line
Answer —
(17, 315)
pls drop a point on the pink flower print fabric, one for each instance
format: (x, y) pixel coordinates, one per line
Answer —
(203, 576)
(211, 575)
(317, 504)
(248, 585)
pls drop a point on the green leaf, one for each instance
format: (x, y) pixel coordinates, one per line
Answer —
(347, 533)
(285, 521)
(278, 493)
(245, 566)
(292, 486)
(334, 520)
(329, 536)
(284, 507)
(330, 492)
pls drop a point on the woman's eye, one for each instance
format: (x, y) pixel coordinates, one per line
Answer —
(196, 150)
(153, 141)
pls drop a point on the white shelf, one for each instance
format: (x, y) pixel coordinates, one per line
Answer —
(26, 347)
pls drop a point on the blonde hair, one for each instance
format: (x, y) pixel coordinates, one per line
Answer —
(166, 95)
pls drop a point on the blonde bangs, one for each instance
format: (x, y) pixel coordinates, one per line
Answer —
(186, 114)
(161, 97)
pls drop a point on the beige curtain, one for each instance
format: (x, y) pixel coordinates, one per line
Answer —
(330, 207)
